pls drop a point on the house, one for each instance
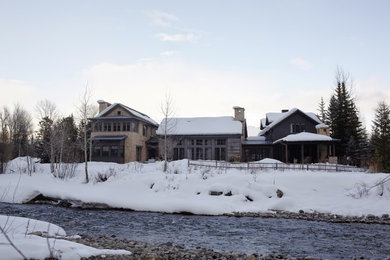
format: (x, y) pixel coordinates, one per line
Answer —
(291, 136)
(120, 134)
(204, 138)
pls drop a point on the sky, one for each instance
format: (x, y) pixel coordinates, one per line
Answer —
(208, 56)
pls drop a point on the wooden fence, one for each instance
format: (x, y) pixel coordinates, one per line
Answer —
(277, 166)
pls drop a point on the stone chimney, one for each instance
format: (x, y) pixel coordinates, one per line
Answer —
(239, 113)
(103, 105)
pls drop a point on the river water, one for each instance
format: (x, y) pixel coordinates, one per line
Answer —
(248, 235)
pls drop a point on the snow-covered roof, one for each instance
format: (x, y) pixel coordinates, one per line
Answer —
(131, 111)
(255, 140)
(276, 118)
(322, 125)
(201, 126)
(305, 137)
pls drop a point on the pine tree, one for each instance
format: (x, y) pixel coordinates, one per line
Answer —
(322, 110)
(343, 118)
(44, 136)
(380, 138)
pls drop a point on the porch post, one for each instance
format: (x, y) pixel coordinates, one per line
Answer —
(318, 152)
(302, 153)
(286, 151)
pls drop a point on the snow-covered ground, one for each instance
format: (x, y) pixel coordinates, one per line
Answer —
(202, 190)
(36, 239)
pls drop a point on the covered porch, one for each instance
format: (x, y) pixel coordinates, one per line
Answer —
(305, 148)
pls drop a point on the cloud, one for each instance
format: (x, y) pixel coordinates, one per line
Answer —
(162, 19)
(301, 64)
(179, 37)
(168, 53)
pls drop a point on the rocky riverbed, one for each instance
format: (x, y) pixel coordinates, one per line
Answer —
(143, 250)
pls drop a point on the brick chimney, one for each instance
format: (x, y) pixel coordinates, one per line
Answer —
(103, 105)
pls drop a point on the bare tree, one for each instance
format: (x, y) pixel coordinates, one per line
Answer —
(21, 129)
(47, 110)
(168, 125)
(85, 110)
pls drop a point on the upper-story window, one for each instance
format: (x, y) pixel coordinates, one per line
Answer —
(119, 112)
(107, 127)
(221, 142)
(98, 127)
(116, 127)
(144, 130)
(134, 126)
(297, 128)
(199, 142)
(126, 126)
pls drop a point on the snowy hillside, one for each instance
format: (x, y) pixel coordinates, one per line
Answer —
(202, 190)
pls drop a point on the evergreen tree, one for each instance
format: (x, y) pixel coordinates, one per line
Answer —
(322, 110)
(380, 138)
(343, 118)
(44, 137)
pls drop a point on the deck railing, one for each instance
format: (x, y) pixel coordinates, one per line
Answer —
(276, 166)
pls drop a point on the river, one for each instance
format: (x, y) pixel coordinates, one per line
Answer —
(297, 238)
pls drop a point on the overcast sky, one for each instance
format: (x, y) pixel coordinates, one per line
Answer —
(209, 55)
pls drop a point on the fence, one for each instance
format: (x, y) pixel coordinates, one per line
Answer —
(277, 166)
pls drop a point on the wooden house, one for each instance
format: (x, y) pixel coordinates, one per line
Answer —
(291, 136)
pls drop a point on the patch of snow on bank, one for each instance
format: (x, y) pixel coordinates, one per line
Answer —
(30, 237)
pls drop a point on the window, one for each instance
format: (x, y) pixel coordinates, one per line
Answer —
(178, 153)
(107, 127)
(144, 130)
(116, 127)
(190, 153)
(199, 142)
(114, 151)
(105, 151)
(134, 126)
(192, 142)
(199, 153)
(179, 143)
(119, 113)
(297, 128)
(207, 153)
(98, 127)
(206, 142)
(126, 126)
(220, 154)
(221, 141)
(96, 151)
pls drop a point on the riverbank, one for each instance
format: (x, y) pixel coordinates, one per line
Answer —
(161, 251)
(205, 191)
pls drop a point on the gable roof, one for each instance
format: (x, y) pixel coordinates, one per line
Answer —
(130, 110)
(225, 125)
(275, 118)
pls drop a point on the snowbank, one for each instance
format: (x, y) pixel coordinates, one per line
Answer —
(205, 190)
(30, 237)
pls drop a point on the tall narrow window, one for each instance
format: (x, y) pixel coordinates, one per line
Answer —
(144, 130)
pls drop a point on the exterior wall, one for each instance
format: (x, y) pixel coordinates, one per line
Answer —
(133, 139)
(284, 128)
(189, 146)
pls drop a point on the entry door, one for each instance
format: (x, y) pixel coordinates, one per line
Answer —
(139, 153)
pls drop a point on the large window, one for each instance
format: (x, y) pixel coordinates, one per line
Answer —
(96, 151)
(98, 126)
(297, 128)
(114, 151)
(220, 154)
(178, 153)
(105, 151)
